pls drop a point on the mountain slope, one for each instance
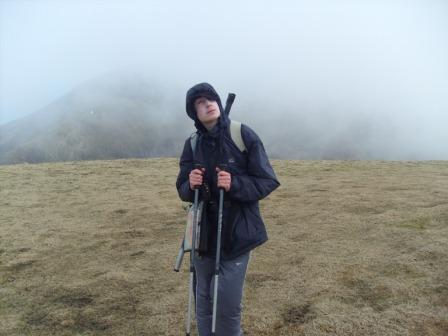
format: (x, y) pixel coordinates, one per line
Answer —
(115, 116)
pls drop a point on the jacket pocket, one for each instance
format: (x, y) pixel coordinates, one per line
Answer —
(233, 218)
(245, 230)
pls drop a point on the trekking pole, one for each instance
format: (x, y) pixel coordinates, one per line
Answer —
(192, 253)
(180, 256)
(229, 102)
(218, 254)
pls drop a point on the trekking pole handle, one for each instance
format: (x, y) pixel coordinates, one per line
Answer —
(229, 103)
(223, 167)
(198, 166)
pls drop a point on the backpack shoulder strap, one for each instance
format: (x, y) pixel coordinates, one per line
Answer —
(235, 134)
(193, 141)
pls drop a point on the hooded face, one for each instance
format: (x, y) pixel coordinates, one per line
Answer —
(207, 111)
(204, 90)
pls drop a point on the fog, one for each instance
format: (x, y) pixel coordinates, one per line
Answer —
(342, 71)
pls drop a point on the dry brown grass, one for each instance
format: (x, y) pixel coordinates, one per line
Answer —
(356, 248)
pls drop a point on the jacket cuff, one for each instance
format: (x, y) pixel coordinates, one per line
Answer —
(186, 193)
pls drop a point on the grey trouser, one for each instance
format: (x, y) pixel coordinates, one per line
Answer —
(230, 293)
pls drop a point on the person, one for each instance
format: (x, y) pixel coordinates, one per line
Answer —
(249, 177)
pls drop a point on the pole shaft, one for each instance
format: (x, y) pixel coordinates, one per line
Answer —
(218, 256)
(192, 255)
(190, 298)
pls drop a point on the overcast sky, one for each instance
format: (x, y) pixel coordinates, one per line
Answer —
(380, 58)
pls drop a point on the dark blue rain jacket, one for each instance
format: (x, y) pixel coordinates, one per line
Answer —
(252, 179)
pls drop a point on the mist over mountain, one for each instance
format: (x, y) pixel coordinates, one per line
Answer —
(131, 115)
(114, 116)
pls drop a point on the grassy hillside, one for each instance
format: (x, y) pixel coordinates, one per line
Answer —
(356, 248)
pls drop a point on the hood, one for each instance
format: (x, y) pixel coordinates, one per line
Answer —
(203, 90)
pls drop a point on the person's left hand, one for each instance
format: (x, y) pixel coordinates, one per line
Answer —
(224, 179)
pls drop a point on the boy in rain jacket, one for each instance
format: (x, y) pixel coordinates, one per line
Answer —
(248, 178)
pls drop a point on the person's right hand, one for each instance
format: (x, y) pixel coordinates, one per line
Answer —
(196, 178)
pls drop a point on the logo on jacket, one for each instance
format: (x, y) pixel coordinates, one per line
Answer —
(231, 160)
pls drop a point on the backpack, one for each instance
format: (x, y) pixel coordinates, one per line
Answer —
(235, 134)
